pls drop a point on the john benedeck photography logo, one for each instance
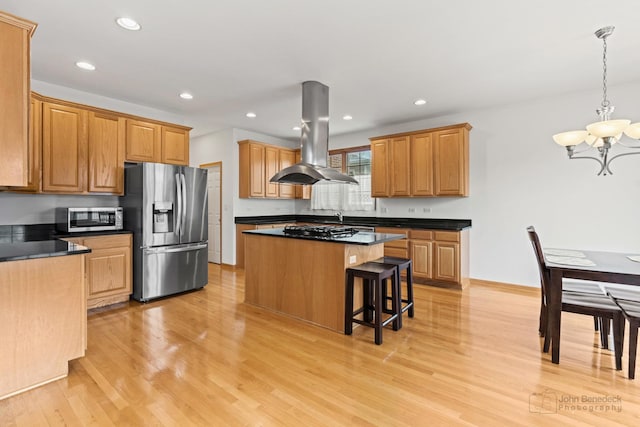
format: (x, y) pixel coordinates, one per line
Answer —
(551, 402)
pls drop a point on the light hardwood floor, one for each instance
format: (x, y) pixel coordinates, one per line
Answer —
(468, 357)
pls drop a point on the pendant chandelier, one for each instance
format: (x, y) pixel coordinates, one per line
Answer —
(604, 134)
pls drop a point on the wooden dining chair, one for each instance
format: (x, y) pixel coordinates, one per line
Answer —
(629, 302)
(591, 304)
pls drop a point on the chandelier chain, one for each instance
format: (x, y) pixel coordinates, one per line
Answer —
(605, 101)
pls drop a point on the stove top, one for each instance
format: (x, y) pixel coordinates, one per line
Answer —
(323, 231)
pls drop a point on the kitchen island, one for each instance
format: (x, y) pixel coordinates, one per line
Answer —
(42, 312)
(303, 276)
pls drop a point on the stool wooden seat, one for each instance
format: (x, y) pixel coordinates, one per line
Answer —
(402, 264)
(373, 275)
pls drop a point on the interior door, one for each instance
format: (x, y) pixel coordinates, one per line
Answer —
(214, 179)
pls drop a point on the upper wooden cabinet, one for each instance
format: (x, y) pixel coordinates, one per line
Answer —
(380, 164)
(15, 76)
(76, 148)
(153, 142)
(34, 149)
(301, 191)
(286, 158)
(175, 146)
(106, 153)
(252, 167)
(258, 163)
(425, 163)
(143, 141)
(451, 162)
(271, 167)
(64, 148)
(422, 165)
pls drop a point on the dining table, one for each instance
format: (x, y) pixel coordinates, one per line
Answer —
(607, 267)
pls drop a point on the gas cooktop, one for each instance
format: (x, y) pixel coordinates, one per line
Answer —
(323, 231)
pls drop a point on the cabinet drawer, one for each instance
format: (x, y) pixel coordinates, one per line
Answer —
(104, 242)
(421, 234)
(447, 236)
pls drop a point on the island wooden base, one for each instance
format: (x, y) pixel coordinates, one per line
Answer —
(43, 318)
(302, 278)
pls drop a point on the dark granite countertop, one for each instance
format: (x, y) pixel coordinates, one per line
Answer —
(39, 249)
(360, 238)
(420, 223)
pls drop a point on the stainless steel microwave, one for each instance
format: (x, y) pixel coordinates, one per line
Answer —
(75, 220)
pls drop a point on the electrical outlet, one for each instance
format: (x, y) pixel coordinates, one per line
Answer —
(352, 259)
(412, 210)
(383, 210)
(426, 210)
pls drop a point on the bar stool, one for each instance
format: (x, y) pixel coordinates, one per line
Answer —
(373, 275)
(402, 264)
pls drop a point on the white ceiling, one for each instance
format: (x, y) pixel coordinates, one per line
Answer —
(376, 56)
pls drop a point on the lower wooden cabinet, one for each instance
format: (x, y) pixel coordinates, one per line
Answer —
(438, 257)
(107, 268)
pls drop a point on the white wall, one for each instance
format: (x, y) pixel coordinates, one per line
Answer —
(520, 177)
(222, 147)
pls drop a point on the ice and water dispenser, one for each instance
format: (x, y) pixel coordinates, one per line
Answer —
(163, 217)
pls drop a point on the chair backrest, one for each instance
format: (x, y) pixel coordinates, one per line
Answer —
(537, 249)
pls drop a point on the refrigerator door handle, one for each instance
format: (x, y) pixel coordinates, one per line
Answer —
(172, 249)
(179, 199)
(184, 201)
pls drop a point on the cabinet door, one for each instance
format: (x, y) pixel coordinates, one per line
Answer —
(64, 148)
(422, 258)
(34, 148)
(256, 170)
(422, 165)
(446, 262)
(108, 269)
(379, 168)
(302, 191)
(106, 153)
(175, 146)
(286, 159)
(143, 141)
(15, 76)
(451, 161)
(271, 168)
(399, 166)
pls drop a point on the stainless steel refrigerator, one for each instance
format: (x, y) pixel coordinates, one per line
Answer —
(166, 208)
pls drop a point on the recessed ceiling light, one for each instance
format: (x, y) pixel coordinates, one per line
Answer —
(128, 24)
(347, 117)
(419, 102)
(296, 128)
(85, 65)
(186, 95)
(251, 115)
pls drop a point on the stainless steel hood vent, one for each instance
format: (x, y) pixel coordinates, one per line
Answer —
(314, 141)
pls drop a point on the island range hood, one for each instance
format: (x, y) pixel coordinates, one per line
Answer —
(314, 141)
